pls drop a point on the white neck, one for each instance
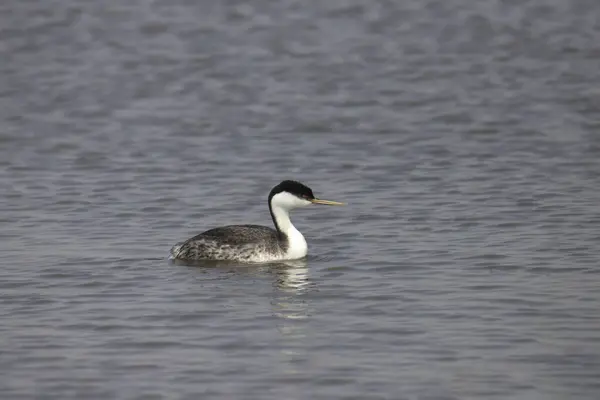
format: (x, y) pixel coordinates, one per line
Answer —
(297, 247)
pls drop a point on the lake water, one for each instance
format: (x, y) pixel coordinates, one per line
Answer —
(464, 136)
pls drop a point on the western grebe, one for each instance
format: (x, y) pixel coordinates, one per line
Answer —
(255, 243)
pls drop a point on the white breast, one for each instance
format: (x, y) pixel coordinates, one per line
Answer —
(297, 245)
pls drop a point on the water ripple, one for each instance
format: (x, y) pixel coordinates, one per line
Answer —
(463, 137)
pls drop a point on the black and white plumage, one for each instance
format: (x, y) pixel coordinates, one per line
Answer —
(255, 243)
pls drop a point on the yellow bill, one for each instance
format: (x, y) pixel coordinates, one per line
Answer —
(327, 202)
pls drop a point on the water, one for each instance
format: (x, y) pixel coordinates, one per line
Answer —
(463, 135)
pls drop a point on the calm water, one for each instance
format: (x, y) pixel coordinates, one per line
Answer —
(465, 137)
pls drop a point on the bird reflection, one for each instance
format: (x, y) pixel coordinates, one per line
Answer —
(289, 302)
(290, 281)
(291, 306)
(291, 276)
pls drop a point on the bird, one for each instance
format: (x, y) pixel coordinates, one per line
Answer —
(256, 243)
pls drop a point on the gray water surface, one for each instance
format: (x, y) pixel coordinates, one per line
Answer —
(463, 135)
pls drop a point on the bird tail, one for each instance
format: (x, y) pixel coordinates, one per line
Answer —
(175, 250)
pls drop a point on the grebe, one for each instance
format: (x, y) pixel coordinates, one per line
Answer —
(255, 243)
